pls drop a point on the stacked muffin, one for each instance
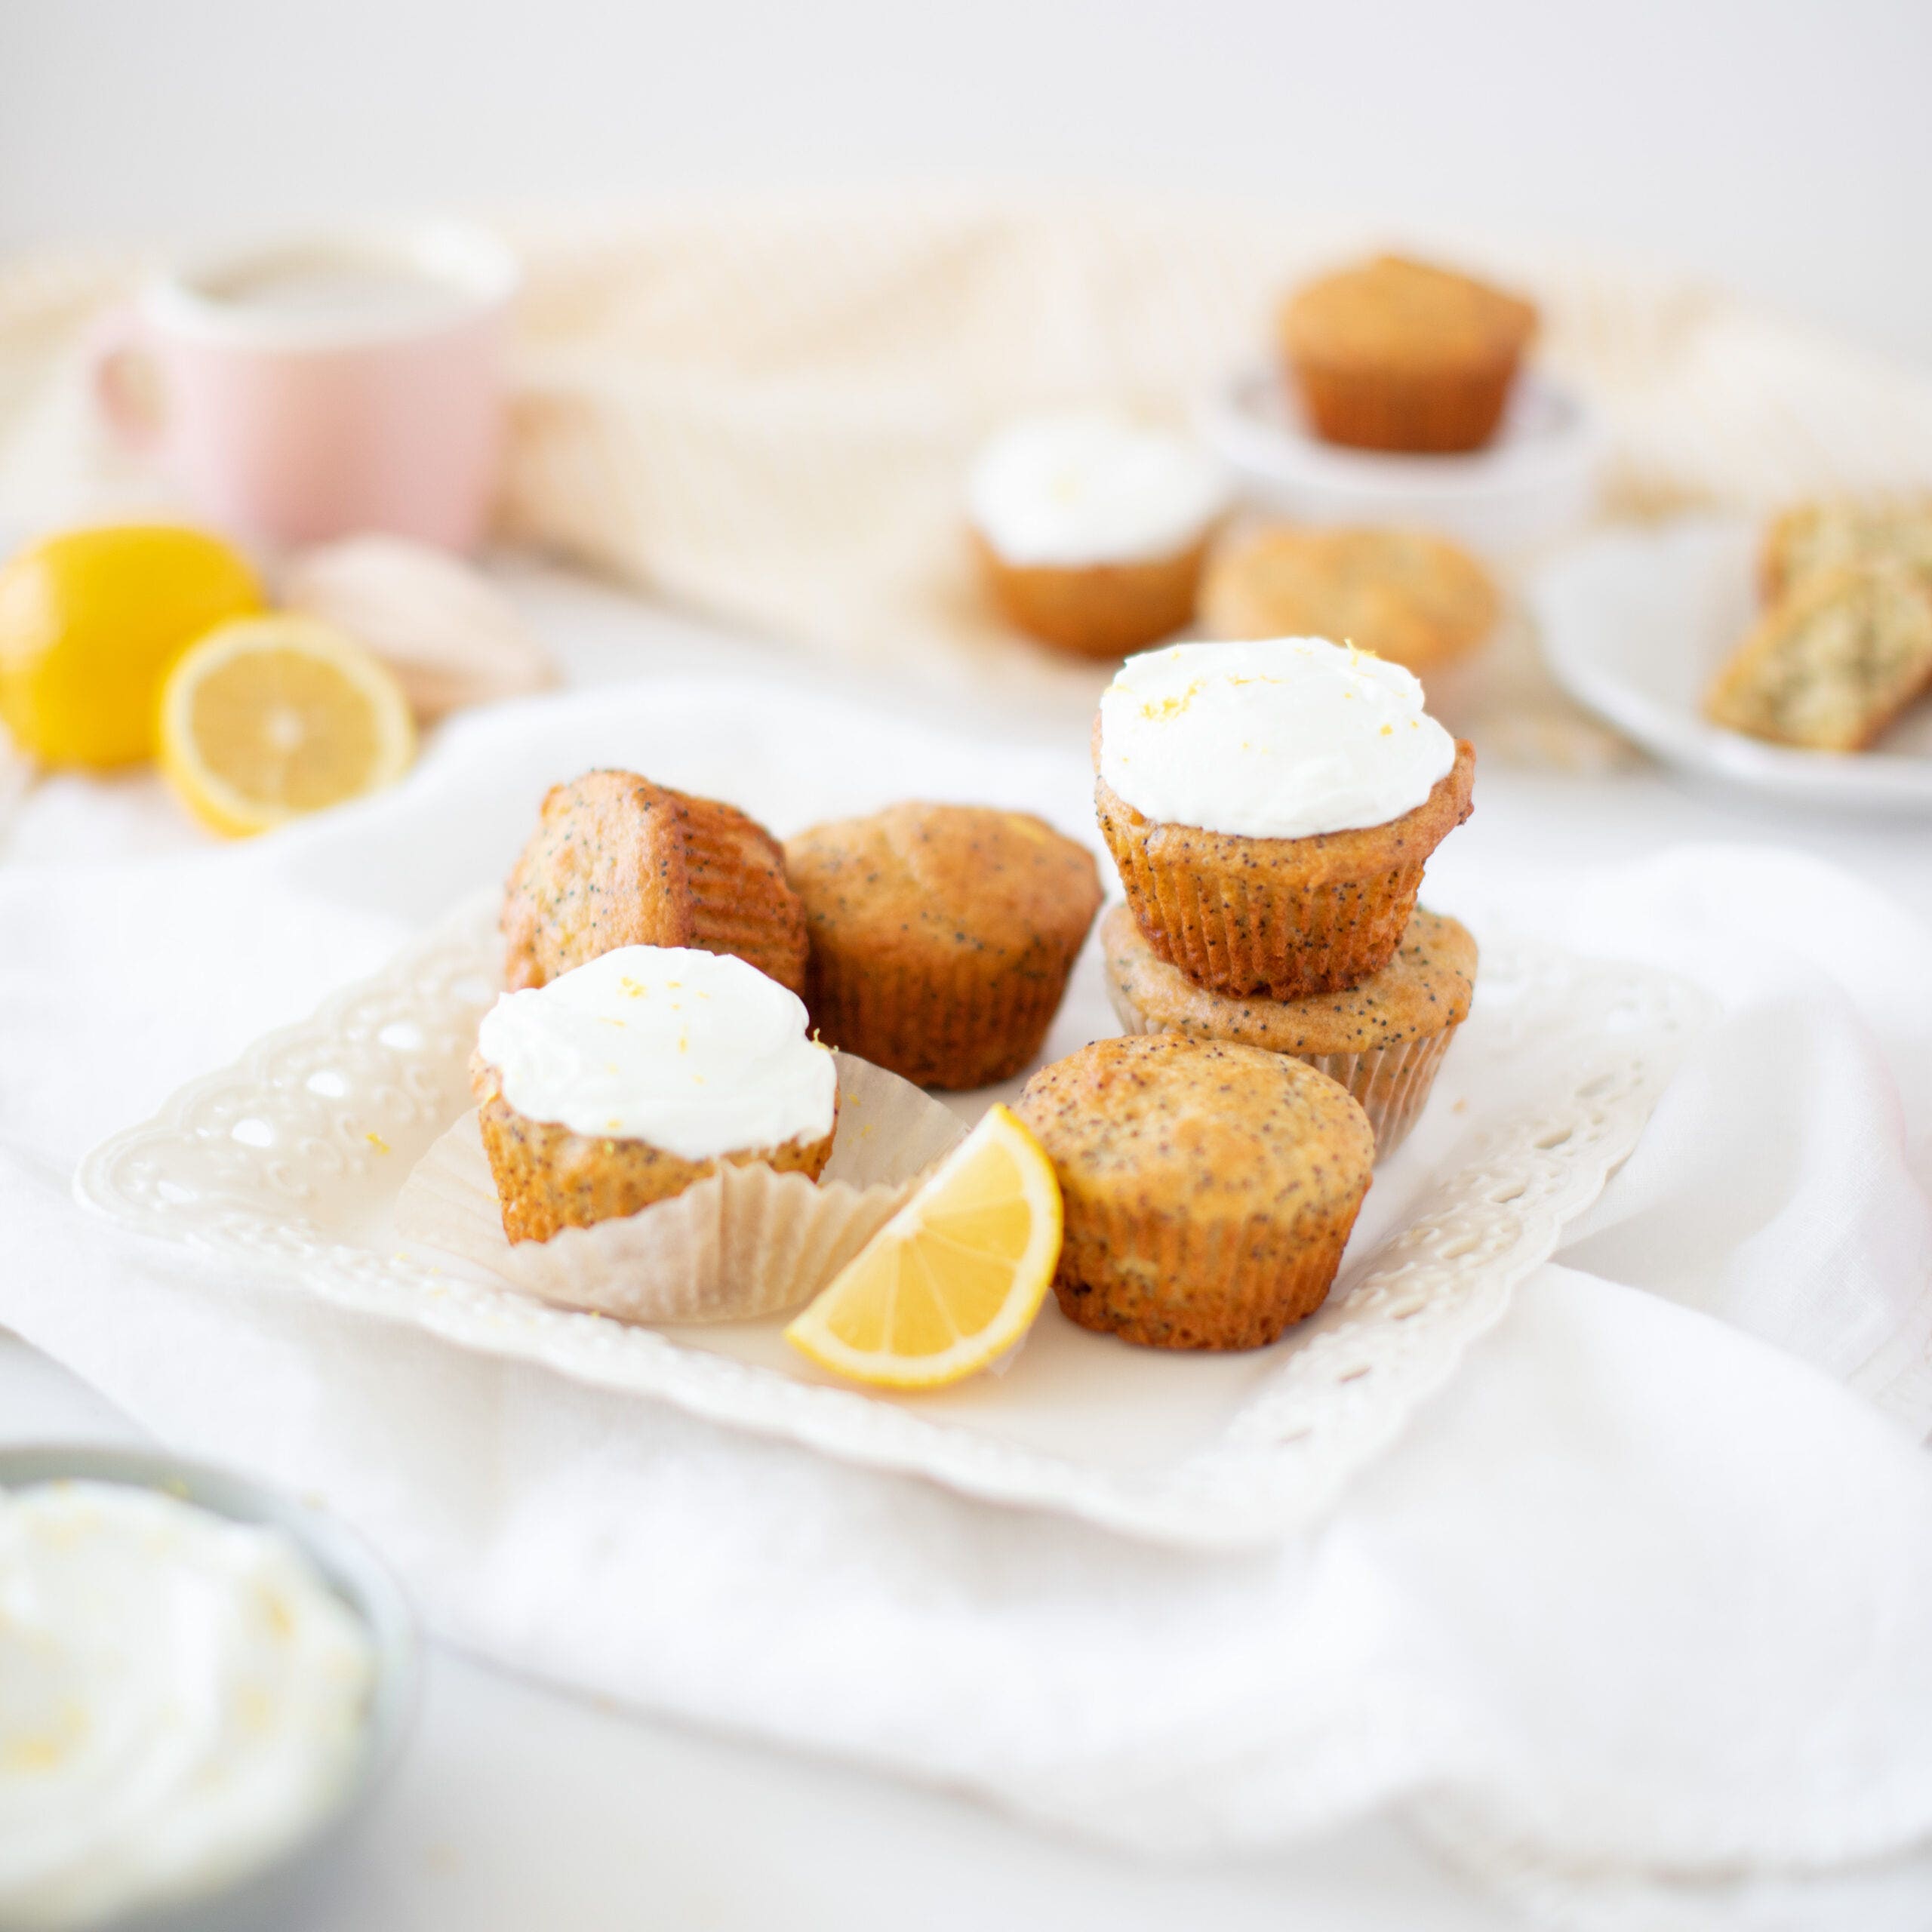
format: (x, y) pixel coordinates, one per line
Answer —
(1270, 807)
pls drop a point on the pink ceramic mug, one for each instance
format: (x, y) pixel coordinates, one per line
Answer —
(310, 390)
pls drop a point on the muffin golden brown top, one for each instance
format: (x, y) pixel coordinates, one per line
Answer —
(1397, 313)
(1425, 988)
(918, 880)
(1404, 595)
(1161, 1125)
(616, 861)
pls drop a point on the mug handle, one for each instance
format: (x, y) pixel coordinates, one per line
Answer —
(126, 381)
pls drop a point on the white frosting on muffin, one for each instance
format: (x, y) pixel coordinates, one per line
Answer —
(696, 1053)
(1073, 489)
(1282, 739)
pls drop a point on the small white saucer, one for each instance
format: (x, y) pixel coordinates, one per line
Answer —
(1635, 623)
(1537, 481)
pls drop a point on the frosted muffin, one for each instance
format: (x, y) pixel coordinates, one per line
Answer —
(1400, 355)
(1208, 1189)
(1091, 532)
(1270, 807)
(1382, 1038)
(629, 1079)
(942, 936)
(1415, 599)
(617, 861)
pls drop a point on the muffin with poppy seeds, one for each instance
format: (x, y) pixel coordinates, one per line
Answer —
(1382, 1038)
(941, 937)
(633, 1077)
(1271, 806)
(1208, 1189)
(616, 861)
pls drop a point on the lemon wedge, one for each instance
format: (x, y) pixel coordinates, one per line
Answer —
(269, 718)
(954, 1279)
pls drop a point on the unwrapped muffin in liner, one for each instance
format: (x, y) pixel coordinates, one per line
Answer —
(744, 1242)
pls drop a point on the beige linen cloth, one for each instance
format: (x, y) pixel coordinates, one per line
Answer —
(762, 411)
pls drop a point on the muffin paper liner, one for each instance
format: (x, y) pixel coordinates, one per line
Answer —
(743, 1242)
(1444, 412)
(1243, 933)
(1101, 610)
(1390, 1084)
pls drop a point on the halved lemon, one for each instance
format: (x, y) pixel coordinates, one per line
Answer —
(268, 718)
(954, 1279)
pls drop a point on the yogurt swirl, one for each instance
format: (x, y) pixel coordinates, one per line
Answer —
(1280, 740)
(181, 1696)
(696, 1052)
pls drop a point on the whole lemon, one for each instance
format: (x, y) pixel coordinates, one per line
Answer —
(91, 622)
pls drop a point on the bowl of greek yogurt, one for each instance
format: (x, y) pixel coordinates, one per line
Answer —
(202, 1684)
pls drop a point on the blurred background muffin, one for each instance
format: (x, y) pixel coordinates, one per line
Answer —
(1839, 533)
(1091, 531)
(1400, 355)
(1415, 599)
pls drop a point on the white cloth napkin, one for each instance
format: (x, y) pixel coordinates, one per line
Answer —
(1633, 1620)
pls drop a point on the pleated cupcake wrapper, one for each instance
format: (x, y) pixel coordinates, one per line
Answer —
(966, 1028)
(1098, 610)
(1391, 1083)
(1240, 934)
(1445, 411)
(1168, 1282)
(743, 1242)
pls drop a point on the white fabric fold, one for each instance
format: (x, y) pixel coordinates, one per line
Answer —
(1632, 1619)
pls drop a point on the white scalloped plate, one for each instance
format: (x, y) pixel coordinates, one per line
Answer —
(289, 1163)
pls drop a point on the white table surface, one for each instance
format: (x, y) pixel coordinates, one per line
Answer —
(517, 1808)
